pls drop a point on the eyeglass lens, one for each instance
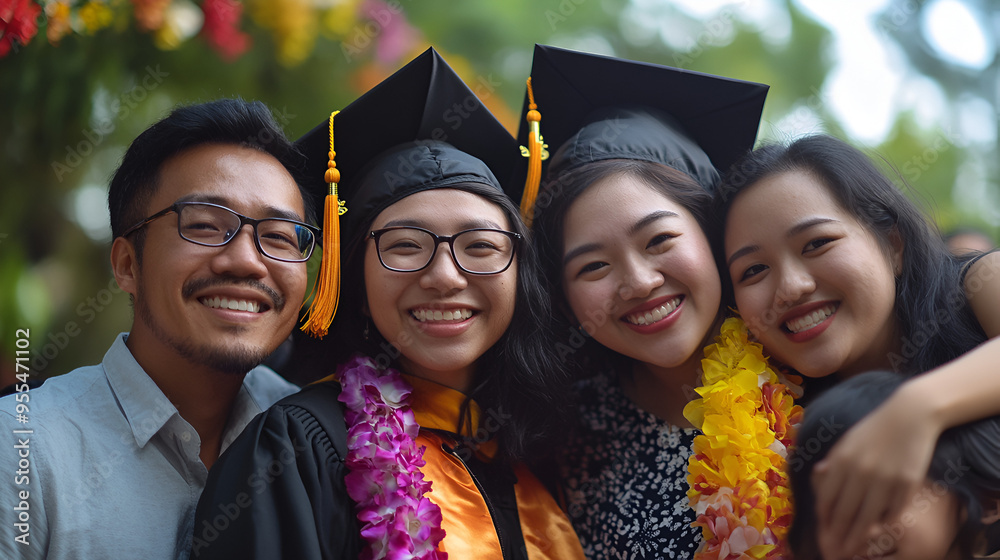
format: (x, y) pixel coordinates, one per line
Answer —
(213, 225)
(482, 251)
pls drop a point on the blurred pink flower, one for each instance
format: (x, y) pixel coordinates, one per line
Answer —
(396, 37)
(221, 28)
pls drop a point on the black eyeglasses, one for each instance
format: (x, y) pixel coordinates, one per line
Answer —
(211, 225)
(476, 251)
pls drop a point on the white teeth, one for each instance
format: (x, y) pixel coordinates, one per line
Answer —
(233, 304)
(654, 315)
(424, 315)
(810, 320)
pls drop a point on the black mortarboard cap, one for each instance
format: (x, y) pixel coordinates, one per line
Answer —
(421, 128)
(597, 107)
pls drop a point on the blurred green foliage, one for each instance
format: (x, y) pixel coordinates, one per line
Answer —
(70, 111)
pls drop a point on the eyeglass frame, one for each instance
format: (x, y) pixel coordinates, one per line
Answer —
(450, 240)
(244, 220)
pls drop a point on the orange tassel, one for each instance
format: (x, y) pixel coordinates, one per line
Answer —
(535, 153)
(321, 312)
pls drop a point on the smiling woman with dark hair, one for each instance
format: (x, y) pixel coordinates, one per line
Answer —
(415, 447)
(623, 224)
(837, 272)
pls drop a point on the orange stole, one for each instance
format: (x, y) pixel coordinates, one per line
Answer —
(466, 520)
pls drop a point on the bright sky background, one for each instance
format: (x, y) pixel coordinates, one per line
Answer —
(864, 57)
(869, 85)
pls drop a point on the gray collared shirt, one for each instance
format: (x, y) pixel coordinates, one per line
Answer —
(109, 469)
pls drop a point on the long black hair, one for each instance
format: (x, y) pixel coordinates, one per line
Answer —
(932, 310)
(559, 191)
(966, 460)
(518, 381)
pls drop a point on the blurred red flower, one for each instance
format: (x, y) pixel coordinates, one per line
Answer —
(221, 28)
(18, 22)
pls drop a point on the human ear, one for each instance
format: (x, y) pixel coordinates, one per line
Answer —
(125, 265)
(896, 246)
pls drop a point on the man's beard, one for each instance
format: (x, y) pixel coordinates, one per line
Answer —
(234, 359)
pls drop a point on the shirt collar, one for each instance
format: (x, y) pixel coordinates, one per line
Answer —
(144, 405)
(245, 407)
(148, 410)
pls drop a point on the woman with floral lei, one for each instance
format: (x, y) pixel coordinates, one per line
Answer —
(621, 222)
(412, 448)
(837, 272)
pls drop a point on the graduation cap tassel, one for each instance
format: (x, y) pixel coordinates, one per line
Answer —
(535, 153)
(327, 288)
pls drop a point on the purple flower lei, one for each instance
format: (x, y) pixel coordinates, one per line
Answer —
(397, 519)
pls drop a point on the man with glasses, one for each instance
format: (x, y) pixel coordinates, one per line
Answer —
(211, 239)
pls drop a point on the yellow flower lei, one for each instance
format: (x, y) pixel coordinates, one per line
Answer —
(738, 485)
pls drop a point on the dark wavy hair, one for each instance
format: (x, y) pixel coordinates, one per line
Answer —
(932, 310)
(975, 446)
(248, 124)
(557, 193)
(518, 379)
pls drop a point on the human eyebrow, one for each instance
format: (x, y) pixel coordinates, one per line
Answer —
(650, 218)
(582, 249)
(269, 211)
(742, 252)
(469, 224)
(806, 224)
(792, 232)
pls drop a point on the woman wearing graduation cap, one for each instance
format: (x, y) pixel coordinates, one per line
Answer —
(410, 450)
(623, 224)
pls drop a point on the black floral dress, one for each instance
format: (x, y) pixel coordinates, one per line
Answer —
(624, 471)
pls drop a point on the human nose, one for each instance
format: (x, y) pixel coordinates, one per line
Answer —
(795, 282)
(641, 278)
(443, 274)
(240, 256)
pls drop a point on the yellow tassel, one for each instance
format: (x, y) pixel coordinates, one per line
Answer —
(327, 288)
(535, 153)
